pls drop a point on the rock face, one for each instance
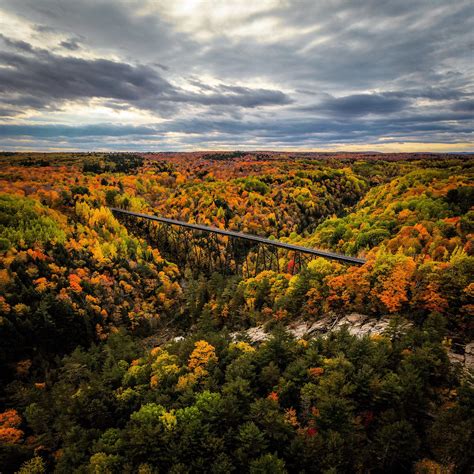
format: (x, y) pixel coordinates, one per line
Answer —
(357, 324)
(256, 334)
(469, 356)
(466, 359)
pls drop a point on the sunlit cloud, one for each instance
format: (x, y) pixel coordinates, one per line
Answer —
(272, 74)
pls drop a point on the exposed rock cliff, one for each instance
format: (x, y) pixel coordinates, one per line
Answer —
(358, 325)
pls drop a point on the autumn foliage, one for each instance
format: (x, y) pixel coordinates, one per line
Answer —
(10, 433)
(119, 355)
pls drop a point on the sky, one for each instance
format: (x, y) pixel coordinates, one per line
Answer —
(159, 75)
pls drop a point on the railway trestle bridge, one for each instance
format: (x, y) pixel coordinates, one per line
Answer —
(210, 249)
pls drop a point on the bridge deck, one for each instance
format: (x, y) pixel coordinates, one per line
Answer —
(249, 237)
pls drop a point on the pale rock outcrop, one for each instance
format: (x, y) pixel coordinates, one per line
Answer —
(357, 324)
(469, 355)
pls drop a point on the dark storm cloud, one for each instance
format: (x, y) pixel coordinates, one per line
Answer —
(314, 126)
(309, 130)
(51, 77)
(61, 131)
(44, 79)
(432, 93)
(324, 72)
(242, 97)
(71, 44)
(8, 112)
(363, 104)
(15, 44)
(359, 104)
(464, 106)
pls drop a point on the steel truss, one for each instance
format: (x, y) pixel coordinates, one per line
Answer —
(205, 251)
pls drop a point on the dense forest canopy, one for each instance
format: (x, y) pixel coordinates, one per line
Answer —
(117, 357)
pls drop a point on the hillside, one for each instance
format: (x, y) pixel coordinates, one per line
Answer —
(117, 355)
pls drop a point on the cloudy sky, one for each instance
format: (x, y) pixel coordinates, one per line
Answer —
(160, 75)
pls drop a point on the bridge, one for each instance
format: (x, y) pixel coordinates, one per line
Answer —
(212, 249)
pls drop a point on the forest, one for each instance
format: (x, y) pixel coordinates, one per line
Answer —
(119, 356)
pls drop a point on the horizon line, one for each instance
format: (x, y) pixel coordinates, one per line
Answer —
(235, 150)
